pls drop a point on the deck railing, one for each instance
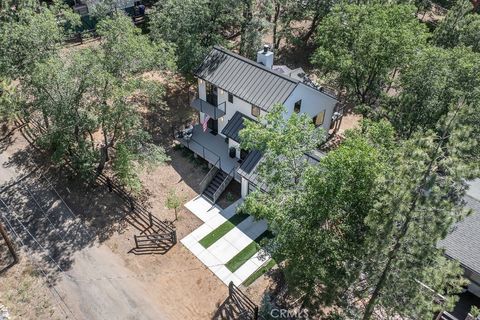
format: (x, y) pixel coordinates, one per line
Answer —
(223, 185)
(209, 176)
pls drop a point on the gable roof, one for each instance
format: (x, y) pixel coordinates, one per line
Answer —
(463, 243)
(246, 79)
(234, 125)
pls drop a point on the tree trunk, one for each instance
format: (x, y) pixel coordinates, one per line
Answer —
(247, 19)
(9, 244)
(275, 26)
(313, 27)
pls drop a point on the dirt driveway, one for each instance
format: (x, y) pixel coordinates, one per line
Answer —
(78, 241)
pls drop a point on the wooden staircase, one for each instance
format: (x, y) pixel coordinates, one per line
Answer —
(217, 185)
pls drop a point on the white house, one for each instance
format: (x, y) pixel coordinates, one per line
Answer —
(86, 7)
(232, 88)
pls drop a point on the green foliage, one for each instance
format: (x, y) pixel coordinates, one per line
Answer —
(32, 37)
(460, 27)
(364, 223)
(174, 202)
(193, 25)
(86, 95)
(363, 44)
(434, 80)
(125, 168)
(283, 143)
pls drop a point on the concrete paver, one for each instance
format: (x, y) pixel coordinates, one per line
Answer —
(224, 249)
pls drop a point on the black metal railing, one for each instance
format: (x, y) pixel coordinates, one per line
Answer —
(210, 107)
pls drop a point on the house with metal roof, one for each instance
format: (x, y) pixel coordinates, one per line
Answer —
(231, 89)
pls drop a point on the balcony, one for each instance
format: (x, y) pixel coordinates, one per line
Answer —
(212, 148)
(214, 111)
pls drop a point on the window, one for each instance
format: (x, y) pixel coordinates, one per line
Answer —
(318, 119)
(297, 106)
(230, 98)
(255, 111)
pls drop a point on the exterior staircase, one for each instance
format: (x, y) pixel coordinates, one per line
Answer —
(217, 185)
(446, 316)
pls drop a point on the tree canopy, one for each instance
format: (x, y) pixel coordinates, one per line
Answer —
(362, 46)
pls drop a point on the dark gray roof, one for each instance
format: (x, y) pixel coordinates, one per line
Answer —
(248, 168)
(463, 243)
(234, 125)
(246, 79)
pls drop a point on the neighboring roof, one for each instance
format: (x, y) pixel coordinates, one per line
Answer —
(246, 79)
(463, 243)
(234, 125)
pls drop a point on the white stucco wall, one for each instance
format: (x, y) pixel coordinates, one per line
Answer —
(202, 91)
(244, 187)
(237, 105)
(313, 102)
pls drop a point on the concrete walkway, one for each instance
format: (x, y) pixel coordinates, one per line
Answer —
(218, 254)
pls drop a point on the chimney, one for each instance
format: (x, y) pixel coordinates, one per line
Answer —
(265, 57)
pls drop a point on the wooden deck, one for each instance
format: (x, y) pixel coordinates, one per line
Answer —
(212, 148)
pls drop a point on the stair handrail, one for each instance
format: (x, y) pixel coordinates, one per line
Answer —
(208, 177)
(223, 185)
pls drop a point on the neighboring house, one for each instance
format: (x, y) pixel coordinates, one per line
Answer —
(463, 245)
(232, 88)
(87, 7)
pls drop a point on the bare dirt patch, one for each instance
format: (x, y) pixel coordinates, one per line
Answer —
(26, 295)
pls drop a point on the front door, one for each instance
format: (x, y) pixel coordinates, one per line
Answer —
(213, 125)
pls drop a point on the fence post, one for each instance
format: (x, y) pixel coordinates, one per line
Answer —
(230, 289)
(109, 185)
(174, 237)
(151, 219)
(255, 313)
(136, 241)
(132, 204)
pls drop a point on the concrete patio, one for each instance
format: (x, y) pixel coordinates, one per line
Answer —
(219, 253)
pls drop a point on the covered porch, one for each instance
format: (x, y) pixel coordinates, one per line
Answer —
(213, 148)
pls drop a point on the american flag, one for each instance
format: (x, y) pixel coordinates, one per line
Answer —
(205, 122)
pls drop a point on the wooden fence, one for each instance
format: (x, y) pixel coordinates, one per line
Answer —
(247, 308)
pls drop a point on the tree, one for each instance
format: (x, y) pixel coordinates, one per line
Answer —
(363, 224)
(194, 26)
(286, 140)
(421, 200)
(318, 221)
(174, 202)
(28, 38)
(88, 94)
(460, 27)
(364, 46)
(435, 79)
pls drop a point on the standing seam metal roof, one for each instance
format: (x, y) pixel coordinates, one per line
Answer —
(246, 79)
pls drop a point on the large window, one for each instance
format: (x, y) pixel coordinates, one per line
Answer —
(297, 106)
(255, 111)
(212, 93)
(319, 118)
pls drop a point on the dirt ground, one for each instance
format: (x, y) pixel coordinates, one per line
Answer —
(102, 277)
